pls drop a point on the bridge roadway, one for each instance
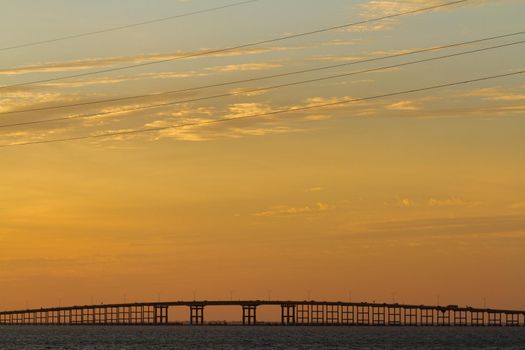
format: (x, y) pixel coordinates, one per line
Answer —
(292, 313)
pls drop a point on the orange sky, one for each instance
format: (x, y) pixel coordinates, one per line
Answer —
(402, 198)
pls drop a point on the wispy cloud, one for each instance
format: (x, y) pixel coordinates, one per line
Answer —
(123, 78)
(318, 117)
(247, 92)
(110, 80)
(341, 42)
(402, 202)
(424, 107)
(33, 135)
(451, 202)
(403, 106)
(445, 226)
(244, 67)
(315, 189)
(497, 94)
(28, 98)
(283, 210)
(381, 8)
(405, 202)
(93, 63)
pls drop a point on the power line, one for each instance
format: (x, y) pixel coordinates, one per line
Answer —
(101, 31)
(273, 87)
(277, 112)
(242, 46)
(368, 60)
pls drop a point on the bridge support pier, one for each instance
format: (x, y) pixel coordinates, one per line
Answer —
(477, 318)
(394, 316)
(160, 314)
(443, 317)
(318, 314)
(512, 320)
(495, 319)
(426, 317)
(363, 315)
(197, 315)
(249, 315)
(378, 315)
(332, 314)
(303, 314)
(347, 315)
(410, 316)
(460, 318)
(288, 314)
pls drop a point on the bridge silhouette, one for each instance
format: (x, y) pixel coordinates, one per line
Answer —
(292, 313)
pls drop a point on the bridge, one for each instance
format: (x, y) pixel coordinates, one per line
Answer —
(292, 313)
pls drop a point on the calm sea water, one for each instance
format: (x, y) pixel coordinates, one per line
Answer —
(259, 338)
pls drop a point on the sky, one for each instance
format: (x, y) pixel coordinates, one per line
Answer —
(403, 198)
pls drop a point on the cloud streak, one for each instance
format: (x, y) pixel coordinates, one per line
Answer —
(285, 211)
(381, 8)
(442, 227)
(85, 64)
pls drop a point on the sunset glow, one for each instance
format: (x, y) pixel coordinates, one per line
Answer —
(410, 197)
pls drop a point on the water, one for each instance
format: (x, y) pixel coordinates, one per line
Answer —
(89, 338)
